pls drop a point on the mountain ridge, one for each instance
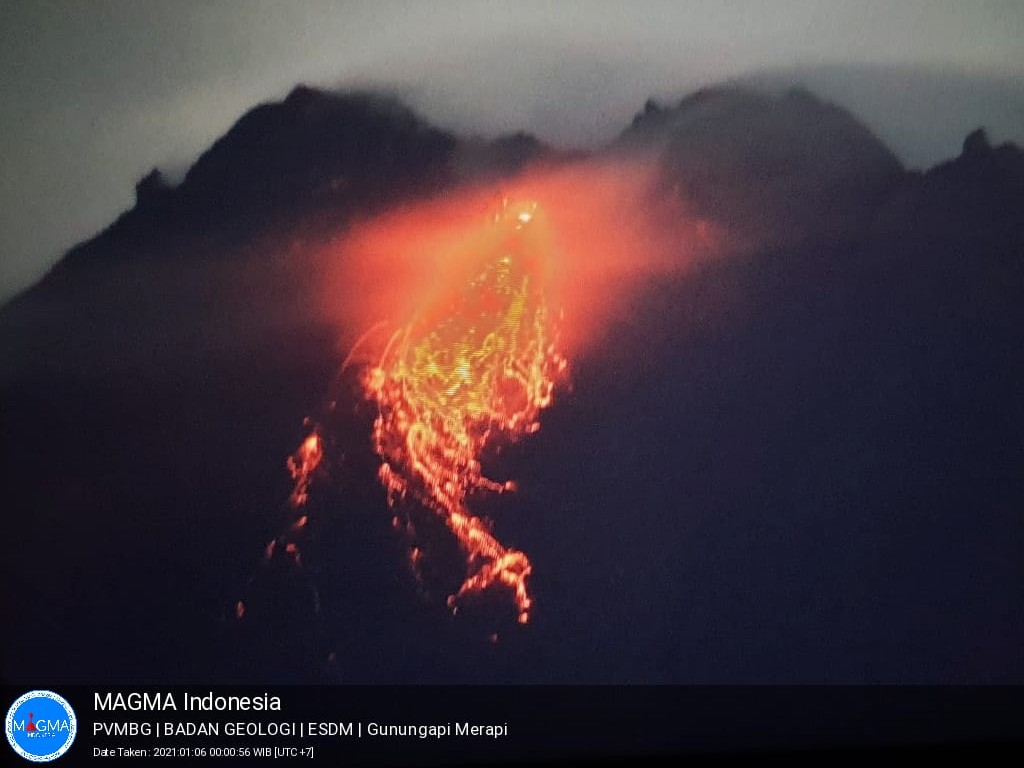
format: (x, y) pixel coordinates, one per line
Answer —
(236, 174)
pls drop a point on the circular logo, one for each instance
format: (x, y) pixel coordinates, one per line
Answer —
(41, 726)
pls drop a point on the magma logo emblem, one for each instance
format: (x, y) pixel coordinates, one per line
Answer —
(41, 726)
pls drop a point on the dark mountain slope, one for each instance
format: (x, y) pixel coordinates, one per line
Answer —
(804, 464)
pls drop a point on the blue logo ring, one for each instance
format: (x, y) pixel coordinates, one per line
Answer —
(54, 736)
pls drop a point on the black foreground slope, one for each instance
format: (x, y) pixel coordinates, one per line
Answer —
(802, 463)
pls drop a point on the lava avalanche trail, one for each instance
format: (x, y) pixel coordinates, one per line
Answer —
(474, 367)
(470, 370)
(483, 303)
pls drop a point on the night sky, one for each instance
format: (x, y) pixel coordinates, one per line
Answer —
(95, 94)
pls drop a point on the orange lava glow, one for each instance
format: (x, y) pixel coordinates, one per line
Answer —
(476, 364)
(301, 466)
(609, 228)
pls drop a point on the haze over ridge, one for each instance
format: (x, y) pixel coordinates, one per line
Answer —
(96, 95)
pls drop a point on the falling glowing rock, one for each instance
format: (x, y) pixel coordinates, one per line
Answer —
(301, 465)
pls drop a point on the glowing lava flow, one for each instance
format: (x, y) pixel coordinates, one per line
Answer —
(301, 466)
(476, 366)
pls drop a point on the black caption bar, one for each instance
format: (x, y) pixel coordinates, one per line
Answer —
(390, 725)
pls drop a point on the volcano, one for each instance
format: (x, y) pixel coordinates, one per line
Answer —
(788, 449)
